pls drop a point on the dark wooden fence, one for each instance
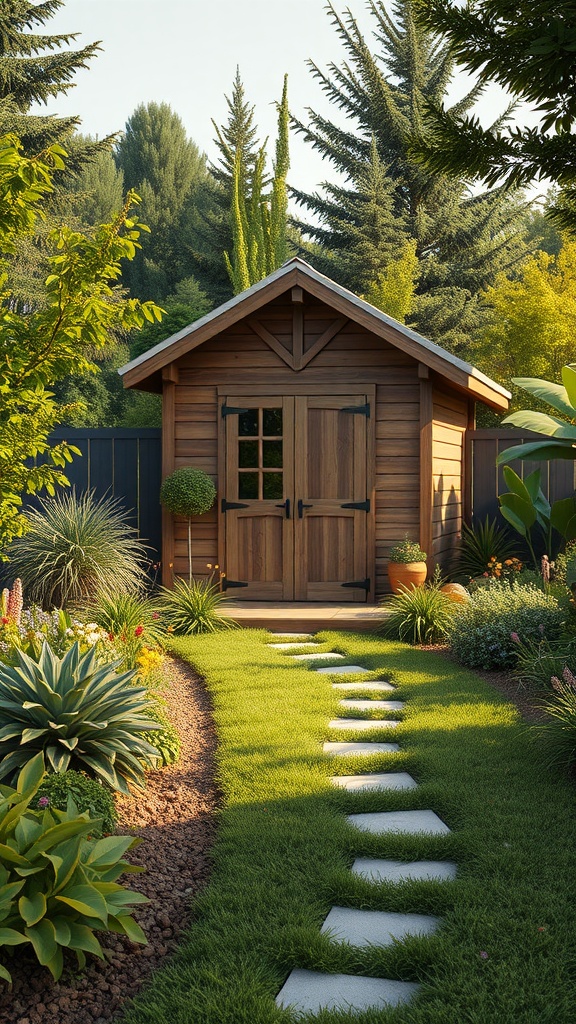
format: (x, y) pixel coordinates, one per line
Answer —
(123, 463)
(485, 480)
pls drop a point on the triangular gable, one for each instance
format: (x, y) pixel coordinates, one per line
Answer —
(298, 276)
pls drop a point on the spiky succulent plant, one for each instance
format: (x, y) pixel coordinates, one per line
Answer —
(81, 714)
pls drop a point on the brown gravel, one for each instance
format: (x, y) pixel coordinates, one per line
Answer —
(175, 818)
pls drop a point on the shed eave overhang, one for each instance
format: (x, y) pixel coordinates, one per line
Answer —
(297, 272)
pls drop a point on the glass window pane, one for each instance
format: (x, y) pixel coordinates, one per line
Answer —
(272, 422)
(272, 454)
(273, 487)
(248, 454)
(248, 423)
(248, 485)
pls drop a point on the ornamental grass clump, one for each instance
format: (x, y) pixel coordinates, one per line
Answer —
(79, 713)
(58, 886)
(130, 621)
(419, 615)
(76, 546)
(500, 616)
(194, 607)
(560, 730)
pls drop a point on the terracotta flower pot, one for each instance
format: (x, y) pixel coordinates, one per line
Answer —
(406, 574)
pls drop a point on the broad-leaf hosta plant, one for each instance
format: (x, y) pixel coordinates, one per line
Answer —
(57, 886)
(81, 714)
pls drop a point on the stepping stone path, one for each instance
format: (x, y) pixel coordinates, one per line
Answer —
(359, 749)
(313, 991)
(362, 724)
(372, 705)
(386, 780)
(377, 684)
(291, 645)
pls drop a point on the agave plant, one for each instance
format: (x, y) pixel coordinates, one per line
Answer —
(57, 886)
(75, 546)
(79, 713)
(481, 542)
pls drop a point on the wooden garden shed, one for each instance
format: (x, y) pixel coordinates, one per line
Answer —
(330, 429)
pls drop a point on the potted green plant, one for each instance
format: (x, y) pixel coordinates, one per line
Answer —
(406, 565)
(188, 492)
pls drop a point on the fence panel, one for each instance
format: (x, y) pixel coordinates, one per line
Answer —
(486, 480)
(123, 463)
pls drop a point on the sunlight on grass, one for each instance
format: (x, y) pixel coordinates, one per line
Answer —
(284, 847)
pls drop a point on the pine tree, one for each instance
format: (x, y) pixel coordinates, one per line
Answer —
(33, 69)
(165, 168)
(393, 291)
(462, 241)
(259, 220)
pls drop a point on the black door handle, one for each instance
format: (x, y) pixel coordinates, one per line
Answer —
(285, 505)
(301, 507)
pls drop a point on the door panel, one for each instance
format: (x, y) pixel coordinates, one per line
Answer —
(330, 472)
(259, 479)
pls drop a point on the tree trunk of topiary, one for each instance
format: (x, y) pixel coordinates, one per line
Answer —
(190, 549)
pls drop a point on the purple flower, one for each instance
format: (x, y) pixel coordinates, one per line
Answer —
(44, 801)
(483, 954)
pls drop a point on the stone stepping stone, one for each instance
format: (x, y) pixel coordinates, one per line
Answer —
(371, 705)
(375, 927)
(383, 780)
(359, 749)
(377, 684)
(362, 723)
(290, 646)
(407, 822)
(315, 657)
(312, 991)
(291, 634)
(400, 871)
(348, 670)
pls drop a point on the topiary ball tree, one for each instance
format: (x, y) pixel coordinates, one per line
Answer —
(188, 492)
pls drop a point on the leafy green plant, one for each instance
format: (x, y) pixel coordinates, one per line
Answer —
(76, 546)
(131, 622)
(419, 615)
(194, 607)
(480, 542)
(88, 795)
(407, 551)
(525, 505)
(166, 739)
(560, 433)
(486, 631)
(57, 886)
(538, 660)
(188, 492)
(80, 713)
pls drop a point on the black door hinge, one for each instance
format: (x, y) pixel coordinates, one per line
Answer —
(231, 584)
(231, 410)
(362, 506)
(226, 505)
(358, 585)
(361, 410)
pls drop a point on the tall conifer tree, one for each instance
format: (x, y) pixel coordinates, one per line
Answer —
(462, 241)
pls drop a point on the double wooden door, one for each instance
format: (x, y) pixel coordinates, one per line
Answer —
(296, 508)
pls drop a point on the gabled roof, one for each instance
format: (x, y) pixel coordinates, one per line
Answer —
(296, 272)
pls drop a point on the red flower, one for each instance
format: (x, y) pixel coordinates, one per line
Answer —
(5, 620)
(139, 630)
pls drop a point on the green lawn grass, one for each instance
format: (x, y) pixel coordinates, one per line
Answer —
(506, 950)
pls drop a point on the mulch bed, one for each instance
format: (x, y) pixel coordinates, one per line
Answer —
(175, 818)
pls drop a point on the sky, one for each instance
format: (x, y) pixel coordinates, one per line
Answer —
(185, 53)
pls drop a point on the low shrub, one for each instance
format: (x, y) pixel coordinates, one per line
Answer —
(194, 607)
(88, 795)
(480, 544)
(57, 885)
(79, 713)
(419, 615)
(486, 631)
